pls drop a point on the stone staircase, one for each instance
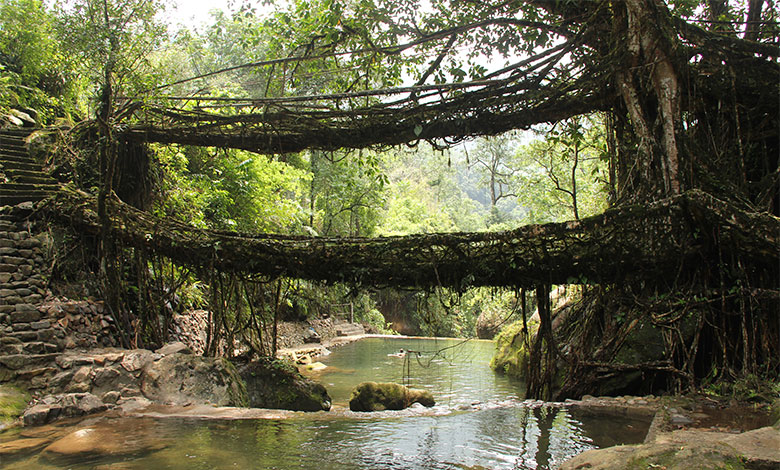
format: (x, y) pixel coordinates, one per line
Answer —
(29, 342)
(21, 177)
(349, 329)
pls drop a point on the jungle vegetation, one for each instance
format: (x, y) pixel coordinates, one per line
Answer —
(328, 118)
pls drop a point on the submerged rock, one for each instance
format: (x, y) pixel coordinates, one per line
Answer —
(104, 439)
(181, 379)
(276, 384)
(21, 446)
(373, 396)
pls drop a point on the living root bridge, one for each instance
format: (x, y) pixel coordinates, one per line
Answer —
(652, 241)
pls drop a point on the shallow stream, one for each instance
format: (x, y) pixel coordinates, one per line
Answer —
(480, 422)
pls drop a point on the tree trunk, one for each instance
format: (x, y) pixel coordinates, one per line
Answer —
(649, 87)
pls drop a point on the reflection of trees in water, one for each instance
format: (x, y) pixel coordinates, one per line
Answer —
(426, 448)
(547, 437)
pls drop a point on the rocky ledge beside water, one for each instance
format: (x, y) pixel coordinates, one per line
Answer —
(93, 381)
(696, 432)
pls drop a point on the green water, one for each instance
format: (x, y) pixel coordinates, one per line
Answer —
(456, 372)
(480, 422)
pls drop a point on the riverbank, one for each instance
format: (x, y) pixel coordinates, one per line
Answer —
(687, 432)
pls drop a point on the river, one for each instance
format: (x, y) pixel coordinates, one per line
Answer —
(480, 421)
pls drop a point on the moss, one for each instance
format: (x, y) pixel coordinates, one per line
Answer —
(13, 402)
(274, 383)
(237, 391)
(373, 396)
(511, 355)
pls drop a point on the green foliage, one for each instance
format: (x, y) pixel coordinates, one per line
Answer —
(36, 71)
(346, 193)
(230, 190)
(751, 387)
(115, 36)
(424, 195)
(564, 173)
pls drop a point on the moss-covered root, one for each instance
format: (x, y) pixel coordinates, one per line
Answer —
(373, 396)
(13, 401)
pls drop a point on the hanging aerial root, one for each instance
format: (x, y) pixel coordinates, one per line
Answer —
(644, 242)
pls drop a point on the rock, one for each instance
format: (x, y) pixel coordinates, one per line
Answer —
(105, 439)
(24, 118)
(373, 396)
(25, 313)
(12, 403)
(137, 360)
(489, 324)
(311, 336)
(83, 375)
(177, 347)
(760, 448)
(21, 446)
(63, 405)
(680, 420)
(276, 384)
(110, 397)
(684, 450)
(511, 356)
(40, 325)
(186, 379)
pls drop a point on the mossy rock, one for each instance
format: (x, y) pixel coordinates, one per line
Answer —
(277, 384)
(373, 396)
(13, 402)
(511, 356)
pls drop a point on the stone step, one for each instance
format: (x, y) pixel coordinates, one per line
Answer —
(22, 187)
(12, 198)
(30, 177)
(18, 132)
(13, 143)
(6, 152)
(349, 329)
(13, 147)
(12, 165)
(23, 361)
(6, 156)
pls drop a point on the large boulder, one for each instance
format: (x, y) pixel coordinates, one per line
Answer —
(489, 324)
(511, 356)
(182, 379)
(277, 384)
(373, 396)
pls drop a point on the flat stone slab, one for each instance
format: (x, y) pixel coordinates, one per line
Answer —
(208, 412)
